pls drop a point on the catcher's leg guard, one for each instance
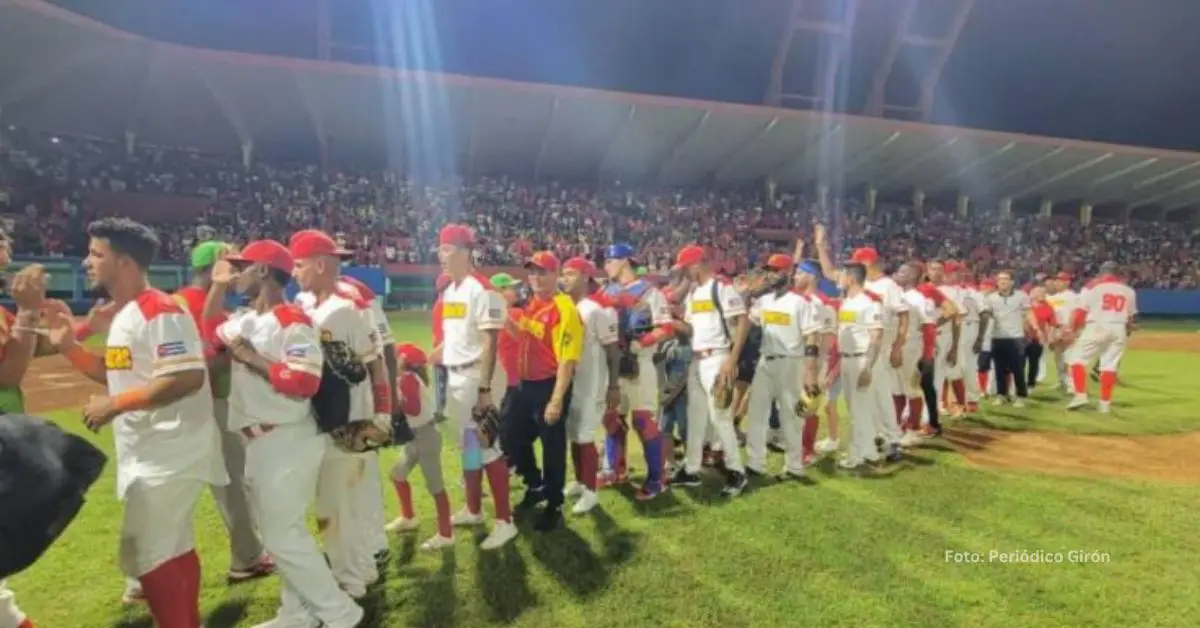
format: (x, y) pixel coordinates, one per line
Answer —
(647, 429)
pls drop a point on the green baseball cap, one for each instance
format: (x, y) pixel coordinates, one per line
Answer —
(501, 281)
(641, 271)
(207, 253)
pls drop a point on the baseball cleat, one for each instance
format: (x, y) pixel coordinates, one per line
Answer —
(465, 517)
(683, 478)
(574, 490)
(1080, 401)
(827, 445)
(1104, 407)
(400, 524)
(502, 533)
(910, 439)
(437, 542)
(850, 464)
(587, 501)
(260, 569)
(133, 595)
(735, 484)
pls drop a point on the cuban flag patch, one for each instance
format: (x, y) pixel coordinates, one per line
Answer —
(296, 351)
(171, 349)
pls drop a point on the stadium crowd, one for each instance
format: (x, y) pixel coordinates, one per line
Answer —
(45, 183)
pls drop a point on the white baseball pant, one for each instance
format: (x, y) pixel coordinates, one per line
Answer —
(968, 360)
(282, 470)
(780, 380)
(343, 512)
(1106, 340)
(584, 415)
(245, 547)
(721, 421)
(462, 392)
(862, 405)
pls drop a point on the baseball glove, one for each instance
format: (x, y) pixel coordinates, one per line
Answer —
(722, 395)
(359, 436)
(487, 425)
(809, 403)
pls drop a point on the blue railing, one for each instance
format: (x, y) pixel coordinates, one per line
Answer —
(68, 281)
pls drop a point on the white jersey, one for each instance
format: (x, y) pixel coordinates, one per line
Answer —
(152, 337)
(284, 335)
(923, 312)
(701, 313)
(785, 320)
(338, 319)
(972, 304)
(857, 318)
(599, 331)
(469, 310)
(1063, 304)
(891, 297)
(1107, 301)
(369, 309)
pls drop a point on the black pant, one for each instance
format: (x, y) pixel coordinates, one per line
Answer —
(1033, 355)
(507, 444)
(930, 392)
(528, 423)
(1009, 354)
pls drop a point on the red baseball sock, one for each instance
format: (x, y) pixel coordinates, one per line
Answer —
(497, 473)
(916, 410)
(404, 494)
(576, 462)
(27, 623)
(189, 568)
(589, 462)
(808, 435)
(960, 391)
(983, 382)
(1079, 378)
(442, 504)
(1108, 379)
(473, 486)
(167, 589)
(898, 404)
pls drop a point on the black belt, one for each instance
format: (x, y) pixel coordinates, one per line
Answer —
(854, 355)
(462, 367)
(772, 358)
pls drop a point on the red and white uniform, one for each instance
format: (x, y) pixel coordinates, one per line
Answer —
(470, 309)
(344, 498)
(786, 319)
(859, 317)
(166, 455)
(591, 374)
(284, 449)
(1104, 309)
(890, 382)
(973, 306)
(827, 311)
(710, 349)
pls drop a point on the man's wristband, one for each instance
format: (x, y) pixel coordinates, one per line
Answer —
(485, 389)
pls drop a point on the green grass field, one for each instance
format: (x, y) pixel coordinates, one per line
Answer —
(846, 551)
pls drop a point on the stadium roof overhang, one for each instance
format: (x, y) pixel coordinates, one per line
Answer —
(69, 74)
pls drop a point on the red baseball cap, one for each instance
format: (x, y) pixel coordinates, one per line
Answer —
(457, 235)
(952, 266)
(411, 354)
(864, 255)
(314, 243)
(581, 265)
(269, 253)
(544, 260)
(690, 256)
(779, 261)
(364, 291)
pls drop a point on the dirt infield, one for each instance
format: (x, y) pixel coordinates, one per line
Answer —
(52, 383)
(1166, 341)
(1170, 458)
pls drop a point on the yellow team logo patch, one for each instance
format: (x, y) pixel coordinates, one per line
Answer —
(847, 316)
(534, 328)
(454, 310)
(703, 307)
(118, 359)
(776, 318)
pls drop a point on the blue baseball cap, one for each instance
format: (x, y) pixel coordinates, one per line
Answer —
(811, 267)
(619, 251)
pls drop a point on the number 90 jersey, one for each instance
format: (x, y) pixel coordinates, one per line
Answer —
(1108, 301)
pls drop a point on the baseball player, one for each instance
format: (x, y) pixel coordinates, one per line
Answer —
(425, 450)
(808, 278)
(346, 501)
(948, 372)
(968, 339)
(920, 346)
(472, 316)
(984, 340)
(276, 370)
(1061, 297)
(861, 332)
(596, 383)
(715, 318)
(247, 560)
(644, 320)
(788, 366)
(160, 405)
(1101, 322)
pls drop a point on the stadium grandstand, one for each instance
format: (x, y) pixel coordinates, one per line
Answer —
(93, 126)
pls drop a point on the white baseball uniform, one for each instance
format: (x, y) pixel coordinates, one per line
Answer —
(344, 498)
(973, 305)
(1108, 306)
(284, 449)
(591, 374)
(710, 349)
(166, 455)
(469, 310)
(922, 312)
(1063, 304)
(889, 381)
(786, 319)
(859, 317)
